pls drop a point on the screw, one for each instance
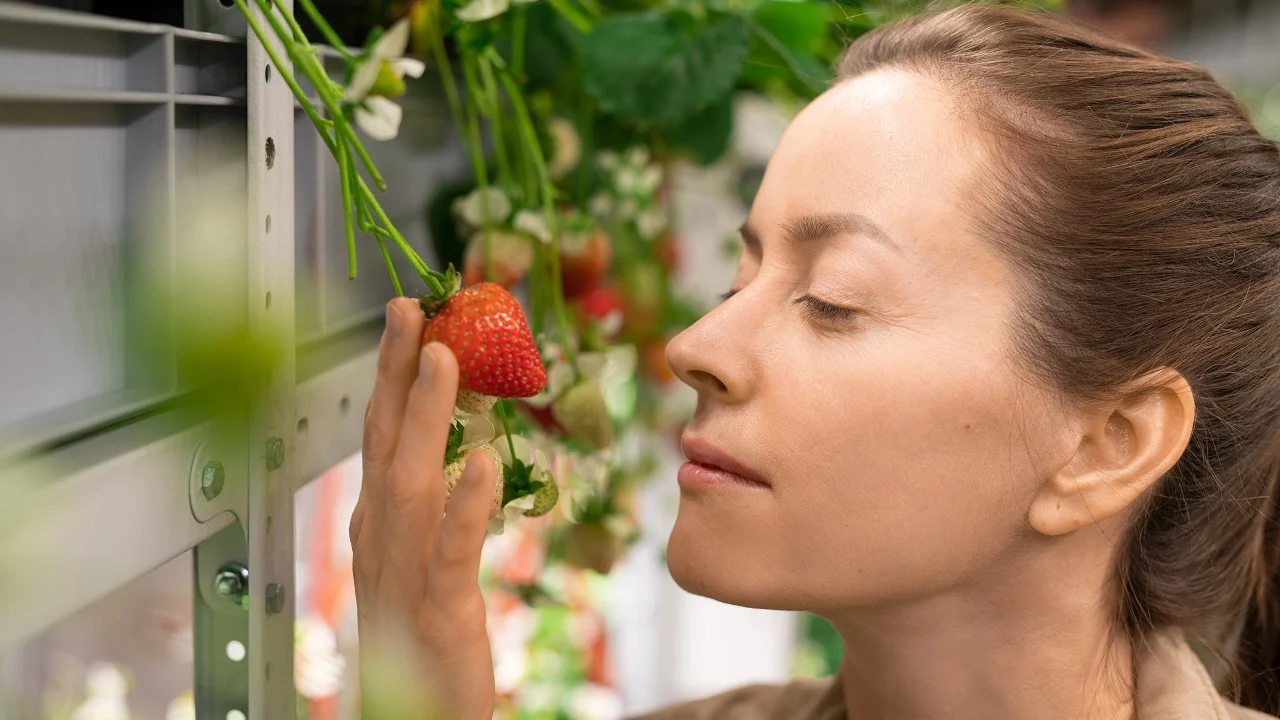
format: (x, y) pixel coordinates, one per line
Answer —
(275, 453)
(275, 598)
(211, 479)
(232, 582)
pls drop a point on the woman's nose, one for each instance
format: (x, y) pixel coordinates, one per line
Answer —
(712, 357)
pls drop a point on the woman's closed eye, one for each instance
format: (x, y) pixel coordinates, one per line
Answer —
(815, 308)
(824, 311)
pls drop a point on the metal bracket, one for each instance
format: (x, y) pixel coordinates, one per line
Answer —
(217, 484)
(221, 677)
(215, 16)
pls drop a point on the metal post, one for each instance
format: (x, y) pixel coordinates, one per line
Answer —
(270, 271)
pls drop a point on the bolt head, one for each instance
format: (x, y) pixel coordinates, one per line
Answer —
(275, 453)
(212, 478)
(229, 584)
(275, 598)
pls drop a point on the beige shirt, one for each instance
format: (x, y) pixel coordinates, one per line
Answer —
(1172, 685)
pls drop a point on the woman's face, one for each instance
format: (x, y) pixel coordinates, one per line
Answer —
(862, 372)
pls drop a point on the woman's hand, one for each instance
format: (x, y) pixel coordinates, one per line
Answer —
(424, 650)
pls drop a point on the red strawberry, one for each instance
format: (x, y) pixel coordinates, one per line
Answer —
(542, 416)
(602, 306)
(653, 360)
(642, 286)
(512, 256)
(667, 250)
(486, 330)
(583, 262)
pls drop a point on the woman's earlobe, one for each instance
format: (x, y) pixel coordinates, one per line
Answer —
(1126, 448)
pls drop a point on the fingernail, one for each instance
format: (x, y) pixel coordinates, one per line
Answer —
(394, 321)
(426, 364)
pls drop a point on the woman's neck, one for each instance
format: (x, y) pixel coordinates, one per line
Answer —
(1037, 644)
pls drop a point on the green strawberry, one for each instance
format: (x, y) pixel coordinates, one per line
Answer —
(591, 546)
(544, 499)
(582, 412)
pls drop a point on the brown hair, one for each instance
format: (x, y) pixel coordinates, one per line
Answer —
(1142, 210)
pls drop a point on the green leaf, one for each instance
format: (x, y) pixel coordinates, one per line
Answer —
(517, 481)
(705, 135)
(812, 75)
(454, 442)
(800, 26)
(660, 68)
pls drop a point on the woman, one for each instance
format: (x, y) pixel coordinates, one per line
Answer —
(996, 391)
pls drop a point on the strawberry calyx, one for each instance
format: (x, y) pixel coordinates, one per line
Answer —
(451, 283)
(519, 481)
(454, 443)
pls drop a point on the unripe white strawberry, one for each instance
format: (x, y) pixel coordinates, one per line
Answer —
(582, 412)
(453, 473)
(474, 403)
(544, 499)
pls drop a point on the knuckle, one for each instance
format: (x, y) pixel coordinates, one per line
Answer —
(379, 439)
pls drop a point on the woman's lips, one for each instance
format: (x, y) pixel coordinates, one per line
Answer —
(710, 466)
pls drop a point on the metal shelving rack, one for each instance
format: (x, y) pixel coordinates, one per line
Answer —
(111, 132)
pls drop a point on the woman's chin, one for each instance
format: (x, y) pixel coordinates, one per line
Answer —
(703, 563)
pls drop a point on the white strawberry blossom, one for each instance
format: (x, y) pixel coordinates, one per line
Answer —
(567, 148)
(379, 117)
(533, 222)
(481, 10)
(632, 181)
(470, 208)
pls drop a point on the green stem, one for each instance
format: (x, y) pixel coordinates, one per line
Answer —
(282, 70)
(517, 42)
(310, 66)
(580, 22)
(429, 276)
(495, 122)
(330, 36)
(478, 161)
(447, 78)
(539, 307)
(532, 146)
(391, 269)
(586, 135)
(366, 224)
(344, 179)
(506, 429)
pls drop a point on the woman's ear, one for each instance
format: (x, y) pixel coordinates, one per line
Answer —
(1126, 446)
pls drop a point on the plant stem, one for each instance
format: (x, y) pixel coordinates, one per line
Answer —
(391, 268)
(534, 149)
(344, 179)
(586, 136)
(478, 161)
(495, 124)
(329, 35)
(446, 77)
(580, 22)
(517, 42)
(283, 71)
(429, 276)
(319, 79)
(506, 430)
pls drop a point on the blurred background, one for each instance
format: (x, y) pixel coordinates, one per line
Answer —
(123, 169)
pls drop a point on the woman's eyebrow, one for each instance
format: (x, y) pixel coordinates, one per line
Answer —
(819, 227)
(824, 226)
